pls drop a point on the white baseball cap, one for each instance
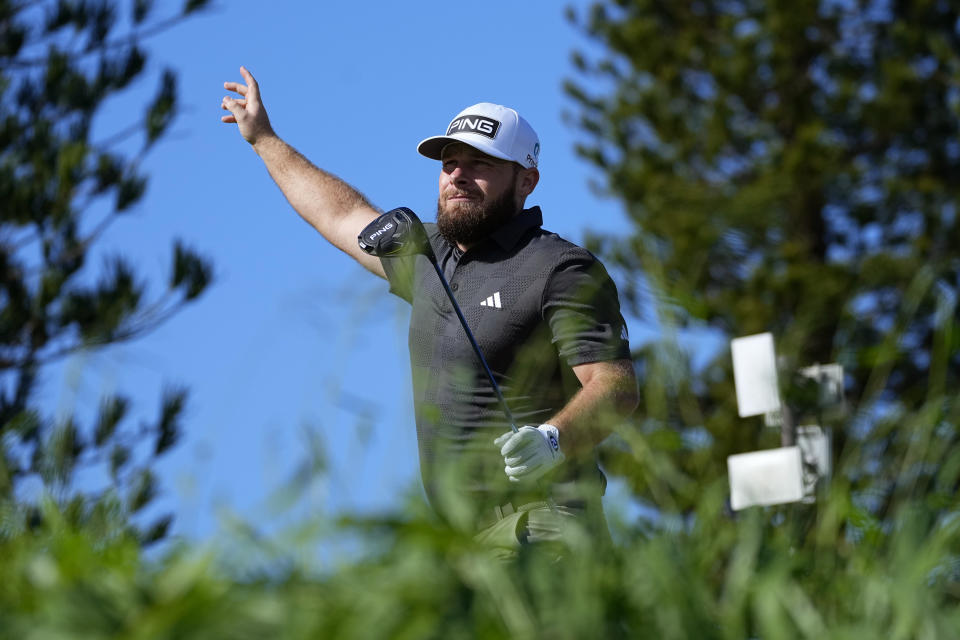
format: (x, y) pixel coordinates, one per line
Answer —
(496, 130)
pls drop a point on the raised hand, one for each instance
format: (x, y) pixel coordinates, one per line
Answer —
(247, 112)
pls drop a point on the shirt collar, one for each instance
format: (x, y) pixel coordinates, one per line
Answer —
(510, 233)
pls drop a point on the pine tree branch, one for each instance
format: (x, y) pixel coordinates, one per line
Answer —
(132, 38)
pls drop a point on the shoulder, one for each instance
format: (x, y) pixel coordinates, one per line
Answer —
(570, 269)
(558, 251)
(437, 241)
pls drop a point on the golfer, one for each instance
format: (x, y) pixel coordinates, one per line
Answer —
(544, 312)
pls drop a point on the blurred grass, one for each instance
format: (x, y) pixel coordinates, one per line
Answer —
(766, 573)
(838, 568)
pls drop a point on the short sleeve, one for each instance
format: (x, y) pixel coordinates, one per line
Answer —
(581, 306)
(400, 273)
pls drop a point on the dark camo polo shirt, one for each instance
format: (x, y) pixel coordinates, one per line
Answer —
(537, 305)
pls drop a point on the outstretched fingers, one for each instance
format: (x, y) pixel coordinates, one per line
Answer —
(236, 87)
(234, 106)
(250, 89)
(247, 111)
(254, 88)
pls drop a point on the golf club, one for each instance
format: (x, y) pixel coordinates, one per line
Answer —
(399, 232)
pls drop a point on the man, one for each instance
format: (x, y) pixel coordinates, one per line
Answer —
(544, 312)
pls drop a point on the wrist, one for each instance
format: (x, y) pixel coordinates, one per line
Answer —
(265, 141)
(552, 435)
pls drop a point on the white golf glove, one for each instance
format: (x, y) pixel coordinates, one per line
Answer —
(530, 452)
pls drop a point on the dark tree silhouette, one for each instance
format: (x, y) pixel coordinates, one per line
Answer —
(60, 190)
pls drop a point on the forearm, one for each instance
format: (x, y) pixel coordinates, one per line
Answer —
(334, 208)
(330, 205)
(609, 394)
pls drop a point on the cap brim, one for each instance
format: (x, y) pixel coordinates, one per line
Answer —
(433, 147)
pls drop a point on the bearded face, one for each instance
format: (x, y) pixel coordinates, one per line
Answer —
(468, 221)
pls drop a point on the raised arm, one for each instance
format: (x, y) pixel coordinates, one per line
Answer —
(333, 207)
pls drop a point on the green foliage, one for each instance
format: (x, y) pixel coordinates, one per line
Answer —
(792, 168)
(61, 190)
(833, 569)
(802, 571)
(788, 168)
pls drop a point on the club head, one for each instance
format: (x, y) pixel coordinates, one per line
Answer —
(398, 232)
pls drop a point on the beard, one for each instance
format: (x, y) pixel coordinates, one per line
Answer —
(468, 223)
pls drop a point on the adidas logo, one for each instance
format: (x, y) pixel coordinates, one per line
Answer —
(492, 301)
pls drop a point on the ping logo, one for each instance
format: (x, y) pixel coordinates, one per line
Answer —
(379, 232)
(475, 124)
(532, 160)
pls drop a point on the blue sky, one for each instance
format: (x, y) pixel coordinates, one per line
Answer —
(293, 337)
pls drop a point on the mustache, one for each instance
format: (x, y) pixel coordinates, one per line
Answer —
(460, 192)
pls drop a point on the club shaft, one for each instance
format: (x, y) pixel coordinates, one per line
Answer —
(476, 347)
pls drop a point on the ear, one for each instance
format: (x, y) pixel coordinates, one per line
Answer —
(527, 181)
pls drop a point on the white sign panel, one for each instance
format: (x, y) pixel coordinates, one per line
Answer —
(771, 476)
(755, 374)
